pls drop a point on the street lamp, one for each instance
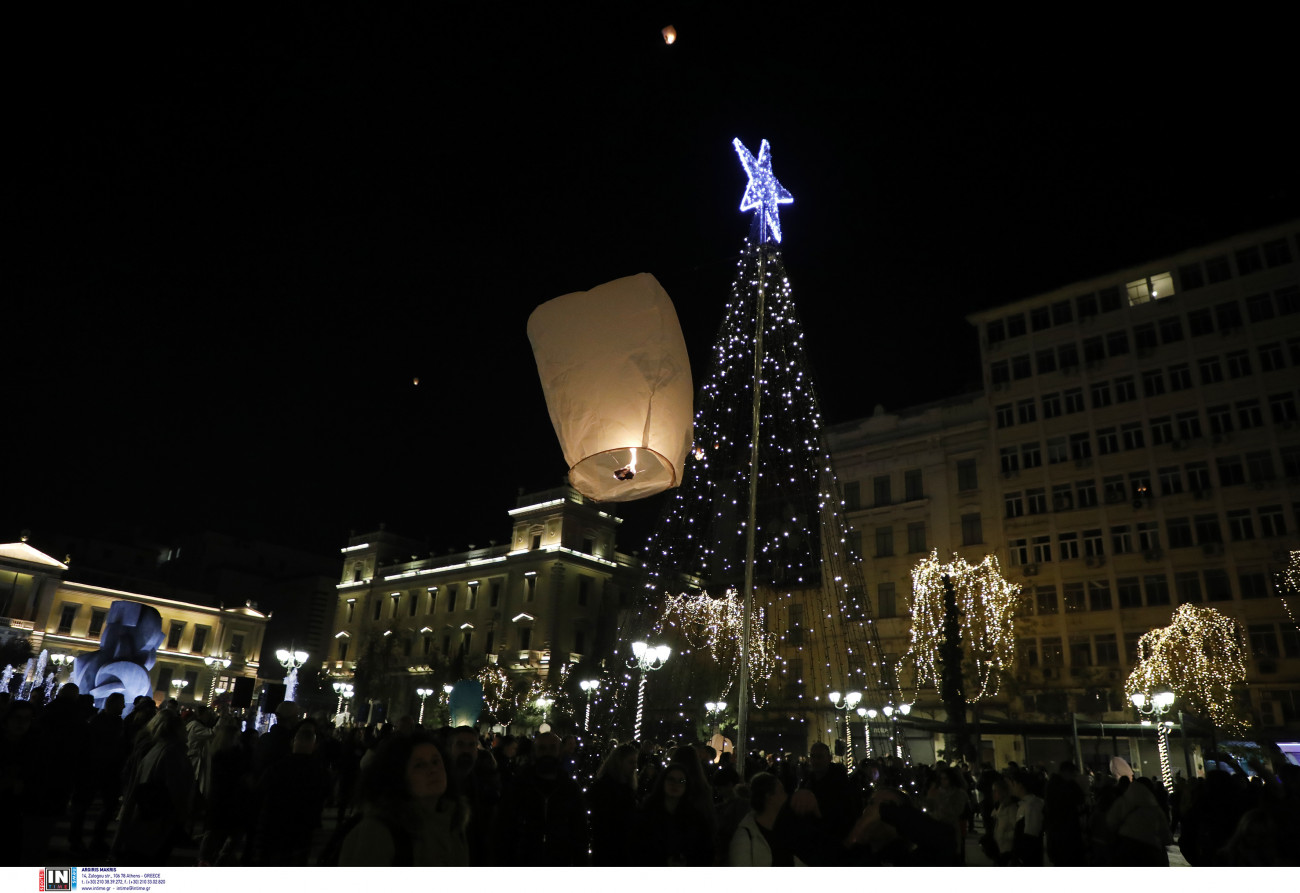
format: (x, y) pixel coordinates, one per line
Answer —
(648, 658)
(845, 704)
(589, 686)
(715, 709)
(179, 685)
(215, 667)
(892, 714)
(291, 661)
(866, 714)
(60, 661)
(343, 690)
(544, 704)
(1155, 705)
(423, 693)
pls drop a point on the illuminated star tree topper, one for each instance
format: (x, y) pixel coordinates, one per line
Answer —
(763, 193)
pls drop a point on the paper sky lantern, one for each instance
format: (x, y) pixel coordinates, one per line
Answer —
(617, 382)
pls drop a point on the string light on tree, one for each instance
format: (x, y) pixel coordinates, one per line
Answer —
(715, 624)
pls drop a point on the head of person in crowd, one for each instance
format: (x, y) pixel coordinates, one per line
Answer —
(408, 772)
(304, 737)
(766, 794)
(620, 765)
(819, 759)
(546, 755)
(225, 734)
(289, 713)
(671, 789)
(114, 704)
(166, 726)
(462, 742)
(725, 781)
(568, 746)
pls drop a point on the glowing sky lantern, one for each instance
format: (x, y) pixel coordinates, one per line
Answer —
(617, 381)
(670, 35)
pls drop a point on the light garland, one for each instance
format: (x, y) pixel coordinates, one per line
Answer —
(1288, 584)
(714, 624)
(986, 603)
(1200, 655)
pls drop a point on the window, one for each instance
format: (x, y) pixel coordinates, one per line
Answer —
(1248, 261)
(1253, 585)
(237, 643)
(379, 607)
(967, 475)
(67, 616)
(852, 496)
(451, 598)
(1217, 269)
(1162, 430)
(1238, 364)
(1180, 377)
(1153, 383)
(1117, 343)
(1015, 505)
(971, 529)
(1010, 460)
(1074, 400)
(1005, 416)
(1259, 308)
(1128, 592)
(1018, 550)
(525, 637)
(1046, 361)
(1217, 586)
(1080, 651)
(1069, 545)
(1207, 529)
(1121, 539)
(1241, 527)
(1263, 641)
(1276, 253)
(1131, 436)
(1211, 370)
(1093, 545)
(530, 588)
(794, 686)
(1249, 414)
(1094, 349)
(1271, 521)
(884, 542)
(1100, 394)
(1037, 501)
(1052, 654)
(912, 486)
(1190, 276)
(1139, 483)
(536, 544)
(1148, 533)
(1057, 450)
(1027, 652)
(494, 598)
(853, 544)
(1125, 389)
(1171, 330)
(1291, 461)
(995, 331)
(1062, 497)
(886, 600)
(880, 490)
(1259, 467)
(1109, 299)
(1189, 425)
(1271, 357)
(1114, 489)
(1099, 595)
(794, 634)
(1015, 325)
(1282, 407)
(1200, 322)
(1231, 472)
(999, 373)
(916, 536)
(1081, 446)
(1157, 587)
(1180, 533)
(1187, 587)
(1030, 456)
(1051, 405)
(1198, 476)
(97, 618)
(1020, 367)
(1085, 493)
(413, 604)
(1041, 548)
(1045, 601)
(1171, 480)
(1144, 338)
(1087, 305)
(1040, 318)
(1062, 313)
(1220, 420)
(1026, 411)
(1107, 441)
(1288, 300)
(1107, 650)
(200, 639)
(1227, 316)
(1068, 354)
(174, 633)
(343, 650)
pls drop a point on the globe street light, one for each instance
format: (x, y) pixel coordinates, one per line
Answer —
(1155, 705)
(648, 658)
(446, 690)
(343, 690)
(544, 704)
(589, 686)
(715, 709)
(845, 704)
(179, 685)
(215, 667)
(291, 661)
(423, 693)
(866, 714)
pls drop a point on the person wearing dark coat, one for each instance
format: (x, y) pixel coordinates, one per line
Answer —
(1065, 815)
(542, 819)
(100, 776)
(612, 797)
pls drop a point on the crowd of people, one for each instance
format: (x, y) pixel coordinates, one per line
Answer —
(403, 795)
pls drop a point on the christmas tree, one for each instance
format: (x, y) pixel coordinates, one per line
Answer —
(808, 590)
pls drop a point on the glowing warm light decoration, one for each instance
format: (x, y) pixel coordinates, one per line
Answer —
(986, 602)
(1288, 586)
(1199, 656)
(714, 624)
(617, 381)
(670, 35)
(764, 193)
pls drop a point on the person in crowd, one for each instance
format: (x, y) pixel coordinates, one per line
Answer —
(411, 816)
(673, 828)
(479, 784)
(291, 799)
(758, 841)
(1028, 847)
(277, 742)
(1140, 826)
(1065, 816)
(542, 818)
(612, 797)
(838, 802)
(891, 831)
(231, 795)
(947, 801)
(100, 776)
(154, 811)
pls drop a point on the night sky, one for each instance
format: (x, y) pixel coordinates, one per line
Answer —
(240, 239)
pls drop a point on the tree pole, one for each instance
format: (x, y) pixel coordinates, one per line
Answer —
(953, 694)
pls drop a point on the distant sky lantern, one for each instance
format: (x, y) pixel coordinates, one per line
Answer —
(670, 35)
(415, 380)
(617, 381)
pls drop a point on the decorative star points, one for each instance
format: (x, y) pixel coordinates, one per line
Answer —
(763, 193)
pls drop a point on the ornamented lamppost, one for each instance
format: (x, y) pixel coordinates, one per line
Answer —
(1155, 705)
(344, 691)
(714, 709)
(648, 658)
(291, 661)
(892, 715)
(423, 693)
(844, 705)
(179, 685)
(589, 686)
(215, 666)
(446, 701)
(867, 714)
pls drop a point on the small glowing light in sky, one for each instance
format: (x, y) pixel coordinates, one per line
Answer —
(670, 35)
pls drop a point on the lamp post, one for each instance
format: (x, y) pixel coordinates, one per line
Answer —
(892, 714)
(1155, 705)
(648, 658)
(446, 690)
(589, 686)
(179, 685)
(866, 714)
(843, 705)
(715, 709)
(291, 661)
(215, 667)
(60, 661)
(544, 704)
(343, 690)
(423, 693)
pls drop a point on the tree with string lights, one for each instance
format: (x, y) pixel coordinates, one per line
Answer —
(1199, 656)
(1288, 587)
